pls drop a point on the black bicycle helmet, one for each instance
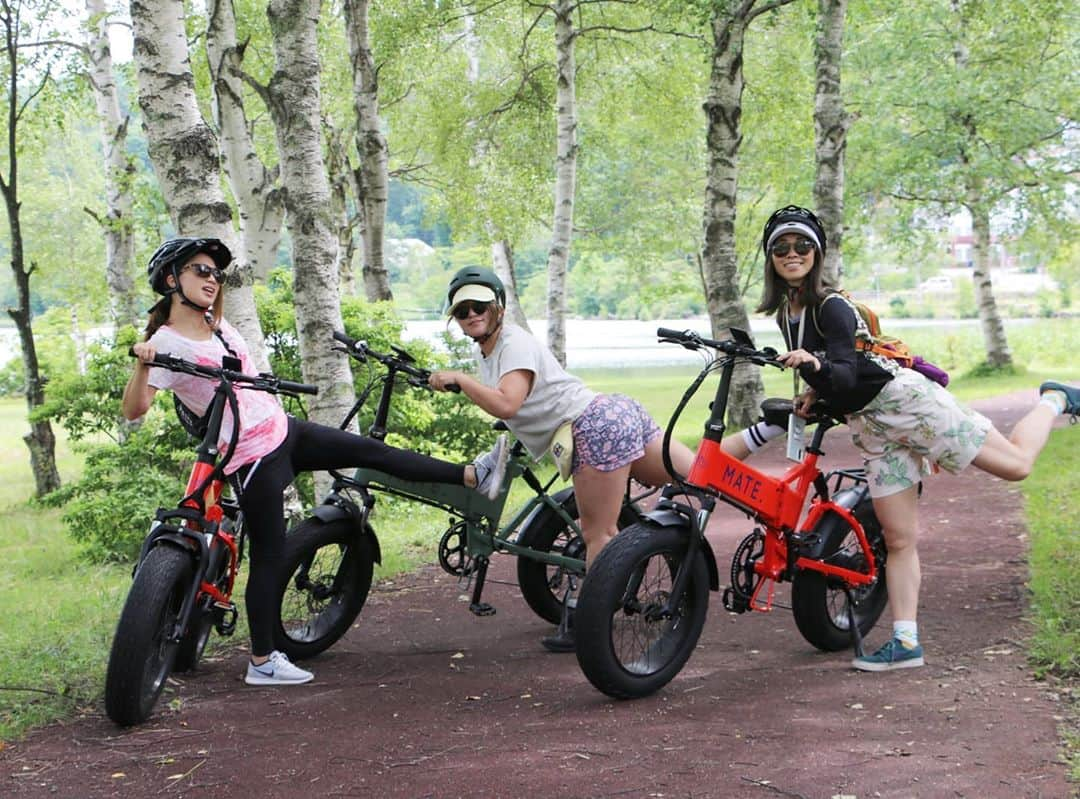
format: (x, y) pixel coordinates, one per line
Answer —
(475, 276)
(174, 253)
(793, 219)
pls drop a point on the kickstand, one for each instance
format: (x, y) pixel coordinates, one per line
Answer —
(567, 609)
(853, 626)
(475, 605)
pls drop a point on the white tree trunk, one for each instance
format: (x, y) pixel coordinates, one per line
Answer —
(830, 132)
(258, 197)
(119, 170)
(719, 262)
(565, 178)
(294, 94)
(502, 262)
(341, 176)
(993, 330)
(184, 151)
(502, 253)
(372, 175)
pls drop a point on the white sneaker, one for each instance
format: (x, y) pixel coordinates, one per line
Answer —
(278, 670)
(491, 468)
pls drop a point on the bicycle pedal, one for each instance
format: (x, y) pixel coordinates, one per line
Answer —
(225, 615)
(735, 603)
(482, 609)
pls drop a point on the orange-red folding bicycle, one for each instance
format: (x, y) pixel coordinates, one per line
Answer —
(643, 605)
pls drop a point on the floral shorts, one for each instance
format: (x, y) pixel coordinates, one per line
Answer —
(912, 424)
(612, 433)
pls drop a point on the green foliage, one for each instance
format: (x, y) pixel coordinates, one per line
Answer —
(130, 470)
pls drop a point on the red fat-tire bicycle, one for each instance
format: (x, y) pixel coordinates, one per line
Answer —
(183, 580)
(643, 606)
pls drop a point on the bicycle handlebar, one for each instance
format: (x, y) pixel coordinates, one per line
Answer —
(400, 361)
(260, 382)
(694, 341)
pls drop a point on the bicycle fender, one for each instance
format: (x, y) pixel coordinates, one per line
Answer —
(666, 517)
(346, 511)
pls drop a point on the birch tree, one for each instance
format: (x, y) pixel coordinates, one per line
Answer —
(719, 260)
(254, 185)
(372, 174)
(16, 20)
(184, 151)
(502, 253)
(117, 222)
(982, 105)
(830, 132)
(293, 97)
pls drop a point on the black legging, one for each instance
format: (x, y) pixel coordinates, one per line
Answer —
(308, 447)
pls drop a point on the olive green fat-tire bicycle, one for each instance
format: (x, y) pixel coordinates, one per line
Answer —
(330, 556)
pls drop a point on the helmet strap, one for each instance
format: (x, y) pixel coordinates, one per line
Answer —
(205, 310)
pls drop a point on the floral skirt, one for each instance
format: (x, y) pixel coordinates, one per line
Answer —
(911, 425)
(611, 433)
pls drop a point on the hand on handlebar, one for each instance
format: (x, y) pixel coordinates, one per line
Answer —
(797, 358)
(144, 351)
(445, 380)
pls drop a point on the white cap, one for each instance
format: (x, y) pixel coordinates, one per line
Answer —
(472, 291)
(793, 227)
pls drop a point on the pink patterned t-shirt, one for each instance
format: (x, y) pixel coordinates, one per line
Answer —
(263, 423)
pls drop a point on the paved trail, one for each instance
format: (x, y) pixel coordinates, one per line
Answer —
(423, 699)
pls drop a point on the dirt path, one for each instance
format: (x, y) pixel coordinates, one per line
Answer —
(425, 700)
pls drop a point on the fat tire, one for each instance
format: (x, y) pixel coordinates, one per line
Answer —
(315, 612)
(141, 658)
(818, 602)
(543, 585)
(622, 654)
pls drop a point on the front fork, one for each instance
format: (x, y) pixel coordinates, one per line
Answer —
(698, 520)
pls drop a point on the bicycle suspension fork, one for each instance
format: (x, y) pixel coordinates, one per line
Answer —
(699, 520)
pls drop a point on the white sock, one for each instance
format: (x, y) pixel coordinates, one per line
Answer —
(1055, 400)
(758, 435)
(906, 632)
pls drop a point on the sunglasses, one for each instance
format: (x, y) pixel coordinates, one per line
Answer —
(463, 309)
(204, 271)
(782, 248)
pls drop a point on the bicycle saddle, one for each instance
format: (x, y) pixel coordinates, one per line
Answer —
(776, 410)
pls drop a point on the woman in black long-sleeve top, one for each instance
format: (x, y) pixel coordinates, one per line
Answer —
(902, 423)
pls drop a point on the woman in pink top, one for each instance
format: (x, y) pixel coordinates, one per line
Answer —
(272, 447)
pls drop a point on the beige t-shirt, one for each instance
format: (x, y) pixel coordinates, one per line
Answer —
(556, 396)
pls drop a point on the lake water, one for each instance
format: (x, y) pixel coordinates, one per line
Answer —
(619, 343)
(602, 343)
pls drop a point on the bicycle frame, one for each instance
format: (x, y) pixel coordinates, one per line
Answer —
(776, 503)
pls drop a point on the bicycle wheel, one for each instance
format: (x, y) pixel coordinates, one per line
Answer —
(142, 655)
(326, 579)
(818, 602)
(624, 647)
(542, 584)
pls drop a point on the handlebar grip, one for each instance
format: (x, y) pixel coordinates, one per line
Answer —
(453, 388)
(667, 332)
(297, 388)
(339, 335)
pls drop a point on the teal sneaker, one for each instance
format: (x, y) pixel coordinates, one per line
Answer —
(1072, 396)
(893, 655)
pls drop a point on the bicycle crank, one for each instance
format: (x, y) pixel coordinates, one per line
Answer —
(453, 556)
(744, 579)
